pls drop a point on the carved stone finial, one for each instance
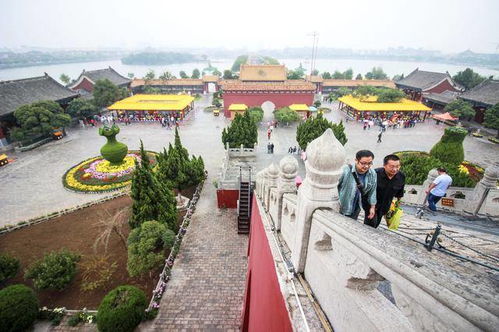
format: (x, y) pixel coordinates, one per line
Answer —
(491, 175)
(273, 171)
(289, 167)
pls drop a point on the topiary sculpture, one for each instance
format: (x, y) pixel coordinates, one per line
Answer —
(113, 151)
(450, 147)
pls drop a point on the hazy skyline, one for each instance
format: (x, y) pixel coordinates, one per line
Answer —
(446, 25)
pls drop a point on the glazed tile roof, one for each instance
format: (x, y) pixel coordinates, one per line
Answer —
(405, 105)
(264, 73)
(356, 83)
(486, 93)
(142, 102)
(315, 78)
(423, 80)
(210, 78)
(16, 93)
(101, 74)
(442, 98)
(177, 81)
(291, 85)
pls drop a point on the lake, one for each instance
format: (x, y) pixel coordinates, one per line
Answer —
(359, 66)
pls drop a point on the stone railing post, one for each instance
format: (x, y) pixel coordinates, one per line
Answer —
(241, 152)
(273, 174)
(265, 179)
(325, 159)
(288, 169)
(489, 181)
(432, 175)
(259, 183)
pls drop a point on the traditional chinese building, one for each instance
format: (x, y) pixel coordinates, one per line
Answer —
(84, 84)
(209, 83)
(16, 93)
(258, 84)
(420, 82)
(483, 96)
(438, 101)
(154, 106)
(327, 86)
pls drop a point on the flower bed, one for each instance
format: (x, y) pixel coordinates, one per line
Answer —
(96, 174)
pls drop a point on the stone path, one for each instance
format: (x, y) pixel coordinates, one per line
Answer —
(208, 279)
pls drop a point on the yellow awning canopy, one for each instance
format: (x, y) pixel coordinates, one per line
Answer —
(370, 105)
(238, 107)
(299, 107)
(153, 103)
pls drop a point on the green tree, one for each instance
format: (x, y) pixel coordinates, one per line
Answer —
(151, 199)
(317, 103)
(106, 93)
(314, 127)
(348, 74)
(460, 108)
(359, 76)
(149, 90)
(398, 77)
(468, 78)
(256, 113)
(182, 74)
(286, 115)
(240, 60)
(18, 308)
(216, 72)
(314, 72)
(296, 74)
(37, 119)
(166, 76)
(390, 95)
(376, 73)
(150, 75)
(81, 109)
(65, 78)
(337, 75)
(228, 74)
(243, 130)
(491, 119)
(326, 75)
(365, 91)
(196, 73)
(216, 102)
(450, 147)
(131, 76)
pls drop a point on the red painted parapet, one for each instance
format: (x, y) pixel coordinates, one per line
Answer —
(227, 198)
(264, 308)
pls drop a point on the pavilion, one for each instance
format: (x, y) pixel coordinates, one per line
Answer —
(237, 109)
(302, 109)
(155, 105)
(368, 107)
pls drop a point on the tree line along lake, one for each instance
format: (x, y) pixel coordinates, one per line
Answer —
(363, 66)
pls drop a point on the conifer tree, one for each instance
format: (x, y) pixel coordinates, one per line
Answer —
(243, 130)
(151, 199)
(315, 127)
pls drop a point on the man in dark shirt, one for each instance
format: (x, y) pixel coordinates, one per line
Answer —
(390, 184)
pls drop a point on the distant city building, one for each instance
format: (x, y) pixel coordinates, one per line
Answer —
(84, 84)
(16, 93)
(420, 82)
(482, 96)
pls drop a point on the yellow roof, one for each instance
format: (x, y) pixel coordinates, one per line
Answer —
(238, 107)
(263, 73)
(405, 105)
(299, 107)
(153, 103)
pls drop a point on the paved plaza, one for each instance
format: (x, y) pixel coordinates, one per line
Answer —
(31, 186)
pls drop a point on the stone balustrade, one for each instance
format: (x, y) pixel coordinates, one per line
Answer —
(344, 261)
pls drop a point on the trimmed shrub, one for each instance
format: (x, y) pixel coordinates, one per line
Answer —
(314, 127)
(168, 239)
(416, 167)
(8, 267)
(54, 271)
(144, 244)
(122, 309)
(18, 308)
(450, 147)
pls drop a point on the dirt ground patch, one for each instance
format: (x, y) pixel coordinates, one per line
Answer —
(76, 232)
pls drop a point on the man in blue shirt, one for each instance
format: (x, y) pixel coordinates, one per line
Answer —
(357, 187)
(438, 188)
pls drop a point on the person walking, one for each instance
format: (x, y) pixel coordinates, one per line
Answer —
(272, 148)
(438, 188)
(390, 183)
(357, 187)
(379, 136)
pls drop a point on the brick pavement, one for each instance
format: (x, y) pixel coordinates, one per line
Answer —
(208, 279)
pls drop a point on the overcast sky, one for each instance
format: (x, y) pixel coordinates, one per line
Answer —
(446, 25)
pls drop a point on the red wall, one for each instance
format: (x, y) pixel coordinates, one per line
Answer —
(227, 198)
(444, 86)
(264, 308)
(257, 99)
(84, 85)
